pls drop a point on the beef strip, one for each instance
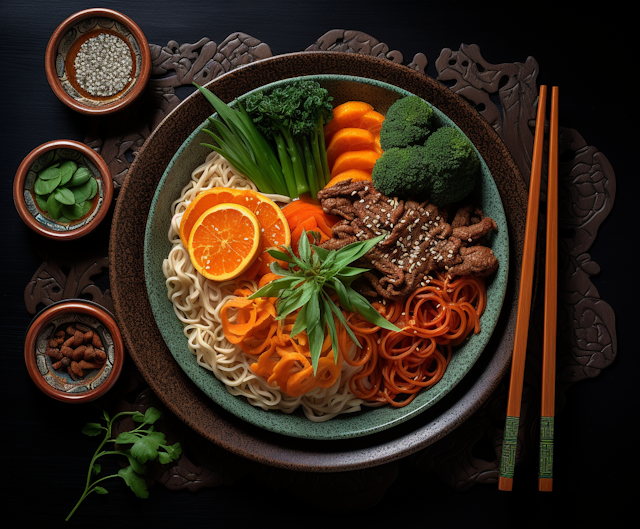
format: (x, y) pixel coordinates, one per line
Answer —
(418, 238)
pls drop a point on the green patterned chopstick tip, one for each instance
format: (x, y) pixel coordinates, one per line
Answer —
(509, 446)
(546, 447)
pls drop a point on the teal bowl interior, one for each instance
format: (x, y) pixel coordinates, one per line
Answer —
(370, 420)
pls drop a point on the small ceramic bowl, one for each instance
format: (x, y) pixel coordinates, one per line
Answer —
(30, 206)
(86, 377)
(65, 44)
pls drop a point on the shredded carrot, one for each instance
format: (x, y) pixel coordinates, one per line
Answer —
(433, 319)
(394, 366)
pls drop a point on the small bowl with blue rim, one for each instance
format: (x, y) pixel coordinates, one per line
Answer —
(105, 38)
(63, 189)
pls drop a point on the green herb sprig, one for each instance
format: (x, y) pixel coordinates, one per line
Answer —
(65, 190)
(309, 284)
(146, 445)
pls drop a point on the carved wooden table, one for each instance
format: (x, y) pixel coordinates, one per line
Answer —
(505, 94)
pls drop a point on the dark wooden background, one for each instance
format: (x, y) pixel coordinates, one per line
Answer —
(587, 51)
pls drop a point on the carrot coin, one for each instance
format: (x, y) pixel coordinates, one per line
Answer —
(363, 159)
(343, 114)
(348, 139)
(350, 174)
(224, 241)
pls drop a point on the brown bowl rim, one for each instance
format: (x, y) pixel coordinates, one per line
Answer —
(21, 175)
(65, 307)
(51, 53)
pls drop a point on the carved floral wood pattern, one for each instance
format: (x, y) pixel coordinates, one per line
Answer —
(506, 95)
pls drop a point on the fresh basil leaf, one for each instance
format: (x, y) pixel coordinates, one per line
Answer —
(343, 321)
(301, 322)
(282, 256)
(66, 171)
(81, 176)
(322, 253)
(54, 207)
(341, 290)
(44, 187)
(274, 287)
(365, 309)
(316, 339)
(41, 200)
(93, 188)
(64, 196)
(352, 252)
(298, 299)
(100, 490)
(51, 172)
(330, 324)
(73, 212)
(304, 249)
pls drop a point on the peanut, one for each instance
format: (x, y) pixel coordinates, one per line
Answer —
(78, 349)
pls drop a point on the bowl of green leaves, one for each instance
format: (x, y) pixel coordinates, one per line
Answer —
(63, 189)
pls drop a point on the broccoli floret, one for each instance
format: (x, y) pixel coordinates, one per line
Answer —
(409, 121)
(452, 166)
(444, 170)
(402, 172)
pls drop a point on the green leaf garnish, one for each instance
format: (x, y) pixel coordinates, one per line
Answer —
(147, 444)
(315, 275)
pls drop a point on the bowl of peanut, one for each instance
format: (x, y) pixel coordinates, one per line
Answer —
(74, 350)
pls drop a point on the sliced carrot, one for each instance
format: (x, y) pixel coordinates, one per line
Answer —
(372, 121)
(351, 174)
(363, 159)
(348, 139)
(344, 113)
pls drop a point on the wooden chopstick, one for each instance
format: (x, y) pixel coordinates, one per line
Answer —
(547, 406)
(510, 440)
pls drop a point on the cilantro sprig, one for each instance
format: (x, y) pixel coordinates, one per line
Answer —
(313, 278)
(147, 444)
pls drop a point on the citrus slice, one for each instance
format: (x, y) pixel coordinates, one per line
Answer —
(224, 241)
(273, 224)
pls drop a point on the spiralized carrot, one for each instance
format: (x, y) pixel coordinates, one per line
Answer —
(284, 361)
(394, 366)
(433, 319)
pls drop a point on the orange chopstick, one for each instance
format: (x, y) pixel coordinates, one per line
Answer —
(547, 406)
(510, 440)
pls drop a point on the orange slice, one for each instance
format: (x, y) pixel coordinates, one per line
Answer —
(348, 139)
(224, 241)
(273, 224)
(352, 174)
(363, 159)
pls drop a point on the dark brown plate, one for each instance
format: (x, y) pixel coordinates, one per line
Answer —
(173, 386)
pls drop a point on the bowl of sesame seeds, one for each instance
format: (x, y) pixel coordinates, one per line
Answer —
(98, 61)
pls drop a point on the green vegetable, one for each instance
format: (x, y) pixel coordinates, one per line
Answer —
(453, 166)
(409, 121)
(146, 445)
(243, 146)
(310, 282)
(64, 191)
(444, 170)
(293, 116)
